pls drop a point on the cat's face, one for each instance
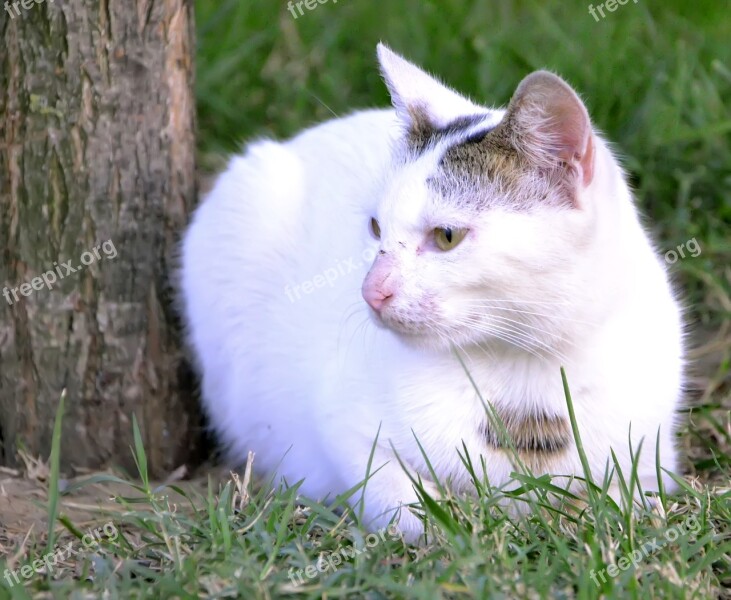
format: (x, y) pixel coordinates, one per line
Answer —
(482, 217)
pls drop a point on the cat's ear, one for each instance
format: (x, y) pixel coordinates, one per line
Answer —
(421, 101)
(548, 121)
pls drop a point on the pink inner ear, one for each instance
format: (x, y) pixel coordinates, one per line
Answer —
(548, 105)
(587, 161)
(573, 134)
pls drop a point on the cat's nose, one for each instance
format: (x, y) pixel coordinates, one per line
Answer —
(376, 298)
(379, 284)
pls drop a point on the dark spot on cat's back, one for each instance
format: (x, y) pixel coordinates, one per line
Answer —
(537, 438)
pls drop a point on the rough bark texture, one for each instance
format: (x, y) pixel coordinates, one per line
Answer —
(96, 144)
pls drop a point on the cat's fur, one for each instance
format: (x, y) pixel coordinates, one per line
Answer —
(554, 270)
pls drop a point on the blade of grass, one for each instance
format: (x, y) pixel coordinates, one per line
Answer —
(55, 460)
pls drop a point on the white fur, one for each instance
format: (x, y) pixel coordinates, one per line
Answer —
(410, 87)
(306, 384)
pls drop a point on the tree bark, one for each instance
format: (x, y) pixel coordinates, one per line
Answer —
(96, 144)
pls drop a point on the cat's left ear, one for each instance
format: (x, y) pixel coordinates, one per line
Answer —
(549, 123)
(421, 101)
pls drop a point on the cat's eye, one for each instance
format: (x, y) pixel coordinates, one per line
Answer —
(375, 229)
(447, 238)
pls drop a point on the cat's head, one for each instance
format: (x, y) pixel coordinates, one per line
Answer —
(485, 212)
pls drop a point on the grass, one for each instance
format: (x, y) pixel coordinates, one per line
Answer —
(656, 77)
(242, 541)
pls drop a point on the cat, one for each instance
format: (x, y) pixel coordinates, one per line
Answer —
(485, 248)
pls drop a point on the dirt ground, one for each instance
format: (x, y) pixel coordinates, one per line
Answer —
(24, 500)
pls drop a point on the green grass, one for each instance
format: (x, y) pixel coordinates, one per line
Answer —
(245, 542)
(656, 77)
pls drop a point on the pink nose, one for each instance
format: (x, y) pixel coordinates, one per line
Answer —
(376, 298)
(380, 284)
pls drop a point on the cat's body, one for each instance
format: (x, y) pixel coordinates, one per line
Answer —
(553, 261)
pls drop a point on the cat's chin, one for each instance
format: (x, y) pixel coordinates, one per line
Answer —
(412, 332)
(432, 341)
(423, 335)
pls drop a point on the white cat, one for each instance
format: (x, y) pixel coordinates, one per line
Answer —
(506, 236)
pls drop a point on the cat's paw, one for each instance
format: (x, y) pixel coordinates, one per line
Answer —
(410, 526)
(410, 519)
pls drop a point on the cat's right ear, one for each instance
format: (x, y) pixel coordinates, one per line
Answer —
(421, 101)
(548, 122)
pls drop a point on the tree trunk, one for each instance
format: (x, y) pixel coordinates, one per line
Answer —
(96, 146)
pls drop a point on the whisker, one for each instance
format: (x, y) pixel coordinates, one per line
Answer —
(507, 334)
(538, 314)
(527, 340)
(551, 334)
(515, 301)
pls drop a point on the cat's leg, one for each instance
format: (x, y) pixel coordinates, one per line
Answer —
(641, 458)
(388, 494)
